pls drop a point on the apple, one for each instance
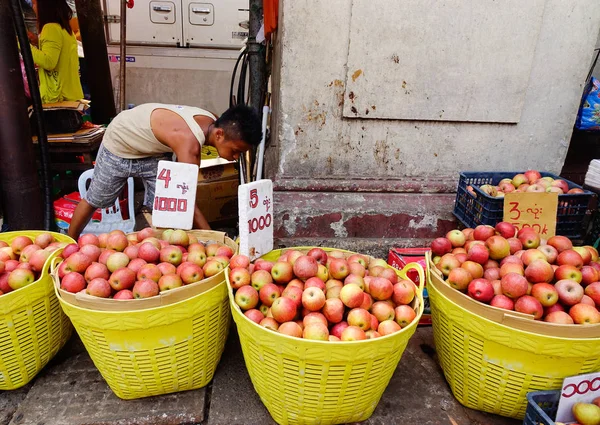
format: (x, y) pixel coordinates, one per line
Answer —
(214, 267)
(122, 278)
(38, 260)
(43, 240)
(371, 334)
(388, 327)
(530, 239)
(313, 299)
(586, 255)
(353, 333)
(461, 257)
(441, 246)
(531, 255)
(404, 315)
(511, 268)
(351, 295)
(403, 292)
(478, 254)
(135, 264)
(116, 261)
(28, 252)
(77, 262)
(293, 255)
(355, 268)
(519, 179)
(550, 252)
(239, 277)
(73, 282)
(593, 252)
(190, 272)
(589, 275)
(125, 294)
(483, 232)
(358, 258)
(99, 288)
(502, 301)
(360, 318)
(569, 292)
(256, 316)
(377, 270)
(489, 189)
(447, 263)
(506, 187)
(515, 245)
(506, 230)
(290, 329)
(382, 311)
(514, 285)
(96, 270)
(456, 238)
(492, 274)
(481, 290)
(269, 323)
(305, 267)
(529, 305)
(568, 272)
(260, 278)
(316, 331)
(170, 254)
(247, 298)
(294, 293)
(561, 243)
(593, 291)
(315, 282)
(19, 243)
(381, 288)
(539, 271)
(319, 255)
(575, 190)
(149, 272)
(338, 268)
(459, 279)
(559, 317)
(283, 309)
(170, 281)
(570, 257)
(588, 300)
(471, 243)
(333, 310)
(338, 328)
(491, 264)
(475, 269)
(166, 268)
(584, 314)
(545, 293)
(117, 241)
(532, 175)
(367, 302)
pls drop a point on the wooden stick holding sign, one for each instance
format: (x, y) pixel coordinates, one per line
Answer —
(255, 204)
(175, 195)
(532, 209)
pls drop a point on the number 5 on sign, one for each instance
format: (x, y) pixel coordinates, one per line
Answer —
(175, 195)
(255, 202)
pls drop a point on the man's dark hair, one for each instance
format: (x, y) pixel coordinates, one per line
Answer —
(54, 12)
(241, 123)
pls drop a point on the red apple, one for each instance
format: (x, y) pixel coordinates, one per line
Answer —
(569, 292)
(481, 290)
(539, 271)
(447, 263)
(584, 314)
(514, 285)
(478, 253)
(506, 230)
(283, 309)
(247, 298)
(593, 291)
(545, 293)
(483, 232)
(568, 272)
(459, 279)
(456, 238)
(589, 275)
(514, 244)
(403, 292)
(561, 243)
(404, 315)
(502, 301)
(529, 305)
(559, 317)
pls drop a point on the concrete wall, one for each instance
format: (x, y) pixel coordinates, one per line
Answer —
(320, 160)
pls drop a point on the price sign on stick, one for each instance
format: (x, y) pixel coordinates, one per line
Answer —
(255, 202)
(532, 209)
(175, 195)
(575, 389)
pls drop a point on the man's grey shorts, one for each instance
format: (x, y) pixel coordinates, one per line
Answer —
(111, 173)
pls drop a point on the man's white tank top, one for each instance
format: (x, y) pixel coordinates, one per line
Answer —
(129, 135)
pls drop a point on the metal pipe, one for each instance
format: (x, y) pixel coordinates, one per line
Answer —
(123, 59)
(20, 190)
(93, 39)
(261, 148)
(17, 14)
(256, 57)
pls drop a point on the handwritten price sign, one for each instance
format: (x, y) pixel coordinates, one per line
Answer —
(582, 388)
(175, 195)
(255, 204)
(535, 210)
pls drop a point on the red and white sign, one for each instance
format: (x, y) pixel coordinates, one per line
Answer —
(575, 389)
(255, 205)
(175, 195)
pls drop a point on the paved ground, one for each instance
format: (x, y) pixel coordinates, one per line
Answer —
(70, 391)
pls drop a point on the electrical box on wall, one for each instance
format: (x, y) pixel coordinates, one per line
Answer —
(219, 24)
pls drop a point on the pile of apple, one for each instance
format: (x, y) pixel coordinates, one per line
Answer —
(323, 297)
(23, 260)
(529, 181)
(141, 265)
(549, 279)
(586, 413)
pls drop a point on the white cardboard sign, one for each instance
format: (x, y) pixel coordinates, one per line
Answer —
(255, 204)
(175, 195)
(581, 388)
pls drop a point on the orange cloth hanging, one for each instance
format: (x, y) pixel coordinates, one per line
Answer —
(271, 12)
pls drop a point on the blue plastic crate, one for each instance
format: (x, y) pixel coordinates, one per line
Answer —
(541, 408)
(472, 210)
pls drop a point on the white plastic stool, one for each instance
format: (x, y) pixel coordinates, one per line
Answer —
(112, 217)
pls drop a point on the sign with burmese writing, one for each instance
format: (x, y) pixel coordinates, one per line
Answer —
(532, 209)
(255, 204)
(175, 195)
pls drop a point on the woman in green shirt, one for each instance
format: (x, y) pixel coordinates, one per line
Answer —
(56, 56)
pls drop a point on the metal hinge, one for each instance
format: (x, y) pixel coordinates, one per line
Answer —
(112, 19)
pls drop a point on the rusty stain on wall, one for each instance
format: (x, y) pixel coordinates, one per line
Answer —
(356, 74)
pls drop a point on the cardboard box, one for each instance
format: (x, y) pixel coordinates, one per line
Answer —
(399, 258)
(217, 169)
(218, 199)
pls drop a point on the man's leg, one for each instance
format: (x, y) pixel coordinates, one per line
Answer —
(110, 176)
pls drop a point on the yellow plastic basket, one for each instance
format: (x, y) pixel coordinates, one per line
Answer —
(32, 326)
(317, 382)
(491, 366)
(159, 350)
